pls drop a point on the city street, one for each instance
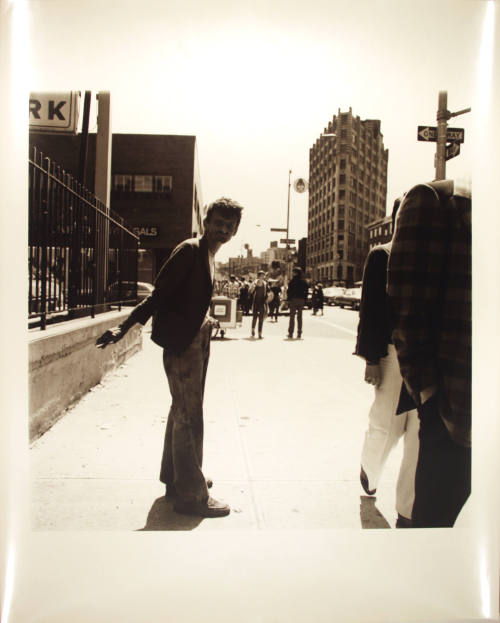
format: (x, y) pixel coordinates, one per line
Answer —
(284, 425)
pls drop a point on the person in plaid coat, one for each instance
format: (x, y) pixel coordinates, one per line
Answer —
(429, 287)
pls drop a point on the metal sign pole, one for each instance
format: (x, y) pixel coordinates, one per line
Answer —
(442, 125)
(288, 226)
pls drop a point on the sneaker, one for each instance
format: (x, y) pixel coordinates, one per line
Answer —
(364, 483)
(209, 508)
(170, 491)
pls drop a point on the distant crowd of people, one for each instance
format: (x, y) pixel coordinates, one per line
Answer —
(414, 334)
(264, 296)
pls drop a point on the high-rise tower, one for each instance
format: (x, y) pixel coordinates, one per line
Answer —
(347, 190)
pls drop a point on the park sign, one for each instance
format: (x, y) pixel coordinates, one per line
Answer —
(429, 133)
(54, 112)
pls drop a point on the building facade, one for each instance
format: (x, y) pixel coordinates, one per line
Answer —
(380, 231)
(155, 187)
(347, 191)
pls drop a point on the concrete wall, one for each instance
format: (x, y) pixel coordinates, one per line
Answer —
(64, 364)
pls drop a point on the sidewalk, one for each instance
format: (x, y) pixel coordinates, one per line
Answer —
(284, 425)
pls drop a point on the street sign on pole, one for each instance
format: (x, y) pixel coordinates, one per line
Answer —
(426, 133)
(278, 228)
(287, 241)
(455, 134)
(429, 133)
(452, 150)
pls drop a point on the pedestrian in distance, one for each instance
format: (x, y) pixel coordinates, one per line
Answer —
(274, 303)
(429, 286)
(297, 296)
(179, 306)
(317, 299)
(259, 292)
(232, 288)
(393, 414)
(243, 297)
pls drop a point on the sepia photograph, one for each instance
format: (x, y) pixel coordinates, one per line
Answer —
(260, 327)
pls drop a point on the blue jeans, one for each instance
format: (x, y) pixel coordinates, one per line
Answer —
(259, 311)
(183, 446)
(296, 307)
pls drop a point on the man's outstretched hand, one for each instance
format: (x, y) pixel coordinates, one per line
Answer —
(110, 337)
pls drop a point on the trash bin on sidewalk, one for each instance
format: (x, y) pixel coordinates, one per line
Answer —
(223, 309)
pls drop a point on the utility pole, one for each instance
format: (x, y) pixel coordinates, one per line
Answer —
(287, 228)
(102, 188)
(443, 115)
(288, 210)
(442, 125)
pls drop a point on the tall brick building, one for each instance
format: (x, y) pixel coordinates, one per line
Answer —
(347, 190)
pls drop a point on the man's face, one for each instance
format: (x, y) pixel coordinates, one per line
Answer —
(220, 228)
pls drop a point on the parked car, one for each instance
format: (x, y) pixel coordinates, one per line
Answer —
(127, 292)
(350, 298)
(330, 293)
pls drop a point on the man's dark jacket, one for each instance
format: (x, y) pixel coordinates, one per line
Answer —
(181, 297)
(297, 288)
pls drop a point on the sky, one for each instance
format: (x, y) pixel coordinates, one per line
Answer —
(257, 82)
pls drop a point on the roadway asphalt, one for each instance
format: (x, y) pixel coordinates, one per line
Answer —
(284, 425)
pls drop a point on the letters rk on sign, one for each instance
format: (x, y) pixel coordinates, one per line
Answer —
(54, 112)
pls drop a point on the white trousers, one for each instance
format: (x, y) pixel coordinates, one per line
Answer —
(385, 428)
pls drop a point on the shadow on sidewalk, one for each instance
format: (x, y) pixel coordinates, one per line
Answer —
(163, 517)
(370, 516)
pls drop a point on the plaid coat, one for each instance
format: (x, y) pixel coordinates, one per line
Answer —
(429, 286)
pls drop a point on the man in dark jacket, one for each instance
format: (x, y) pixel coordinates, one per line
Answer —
(429, 286)
(297, 297)
(179, 307)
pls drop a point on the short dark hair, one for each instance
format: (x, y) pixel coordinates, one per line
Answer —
(297, 270)
(227, 207)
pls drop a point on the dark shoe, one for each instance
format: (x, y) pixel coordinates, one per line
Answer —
(403, 522)
(290, 337)
(299, 335)
(260, 336)
(364, 483)
(210, 508)
(170, 491)
(253, 333)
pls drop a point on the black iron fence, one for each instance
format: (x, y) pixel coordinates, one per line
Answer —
(82, 257)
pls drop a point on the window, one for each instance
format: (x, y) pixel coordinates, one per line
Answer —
(123, 182)
(142, 183)
(162, 183)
